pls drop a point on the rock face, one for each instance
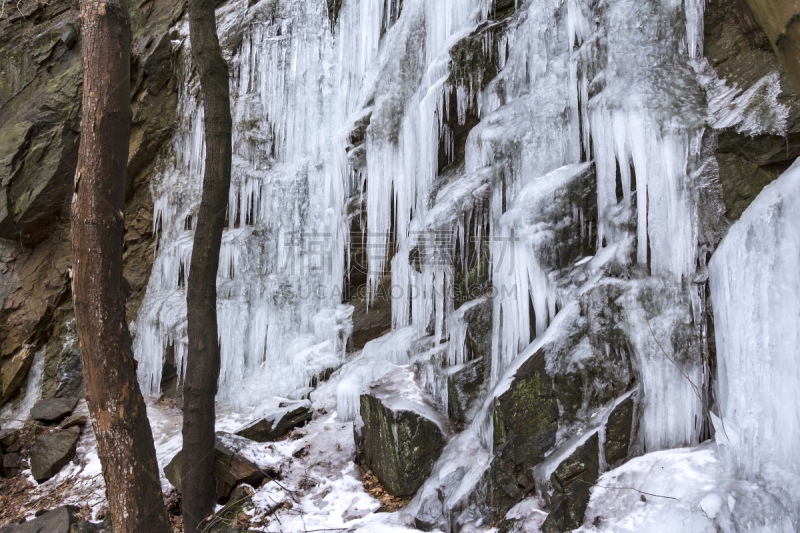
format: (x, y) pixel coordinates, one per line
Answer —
(14, 371)
(51, 452)
(53, 410)
(740, 53)
(56, 521)
(571, 482)
(40, 106)
(402, 434)
(230, 467)
(525, 426)
(274, 421)
(618, 433)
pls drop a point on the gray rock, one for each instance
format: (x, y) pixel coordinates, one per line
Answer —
(53, 410)
(51, 452)
(465, 391)
(275, 422)
(525, 426)
(8, 440)
(56, 521)
(402, 434)
(570, 484)
(11, 464)
(619, 430)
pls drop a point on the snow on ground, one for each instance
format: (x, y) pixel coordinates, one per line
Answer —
(679, 490)
(686, 489)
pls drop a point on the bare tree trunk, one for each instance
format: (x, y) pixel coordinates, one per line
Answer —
(119, 417)
(203, 362)
(780, 20)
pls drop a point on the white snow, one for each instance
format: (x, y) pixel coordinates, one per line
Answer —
(685, 489)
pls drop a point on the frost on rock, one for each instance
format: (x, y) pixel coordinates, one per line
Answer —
(755, 283)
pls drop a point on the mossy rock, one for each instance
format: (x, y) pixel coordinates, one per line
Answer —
(401, 437)
(525, 424)
(571, 482)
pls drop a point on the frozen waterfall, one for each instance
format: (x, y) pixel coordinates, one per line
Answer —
(755, 285)
(522, 155)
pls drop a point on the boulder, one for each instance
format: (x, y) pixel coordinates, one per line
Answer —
(59, 520)
(8, 440)
(51, 452)
(402, 434)
(276, 419)
(230, 466)
(53, 410)
(11, 464)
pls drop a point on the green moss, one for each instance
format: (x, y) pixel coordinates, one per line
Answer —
(531, 398)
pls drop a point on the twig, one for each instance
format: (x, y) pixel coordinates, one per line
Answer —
(637, 490)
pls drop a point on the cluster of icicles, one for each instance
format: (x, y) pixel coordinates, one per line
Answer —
(576, 86)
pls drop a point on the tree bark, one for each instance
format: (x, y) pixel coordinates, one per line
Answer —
(203, 362)
(119, 416)
(780, 20)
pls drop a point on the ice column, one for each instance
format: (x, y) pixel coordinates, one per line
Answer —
(755, 288)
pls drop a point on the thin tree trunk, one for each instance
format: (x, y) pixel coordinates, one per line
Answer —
(119, 417)
(780, 20)
(203, 362)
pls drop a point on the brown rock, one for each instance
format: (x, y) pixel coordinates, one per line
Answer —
(75, 420)
(230, 467)
(14, 371)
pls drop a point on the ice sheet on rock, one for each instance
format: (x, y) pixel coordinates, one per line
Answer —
(14, 414)
(752, 111)
(529, 515)
(755, 286)
(686, 489)
(455, 476)
(354, 380)
(667, 350)
(398, 390)
(457, 326)
(549, 222)
(394, 347)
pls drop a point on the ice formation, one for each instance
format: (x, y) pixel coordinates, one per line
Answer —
(529, 157)
(282, 260)
(755, 285)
